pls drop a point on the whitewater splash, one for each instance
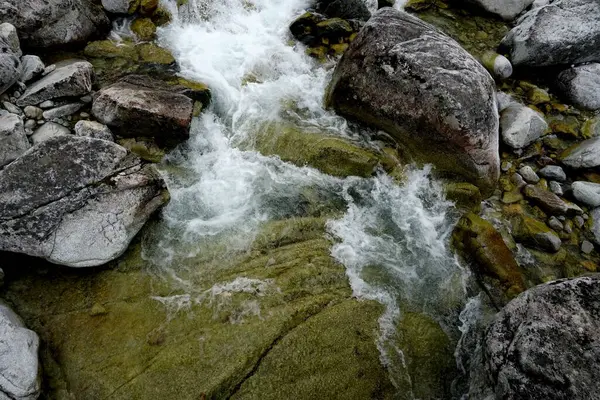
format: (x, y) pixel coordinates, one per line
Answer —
(392, 238)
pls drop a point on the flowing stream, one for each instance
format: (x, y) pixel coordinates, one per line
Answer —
(392, 239)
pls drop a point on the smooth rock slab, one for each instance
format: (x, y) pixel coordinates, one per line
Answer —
(141, 106)
(62, 111)
(76, 201)
(587, 192)
(407, 78)
(547, 201)
(13, 140)
(562, 32)
(70, 78)
(19, 367)
(545, 344)
(583, 155)
(581, 85)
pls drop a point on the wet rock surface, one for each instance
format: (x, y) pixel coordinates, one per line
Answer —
(397, 70)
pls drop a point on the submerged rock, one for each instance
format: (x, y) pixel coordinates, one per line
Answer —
(76, 201)
(19, 367)
(141, 106)
(405, 77)
(581, 85)
(563, 32)
(544, 345)
(70, 78)
(13, 140)
(46, 23)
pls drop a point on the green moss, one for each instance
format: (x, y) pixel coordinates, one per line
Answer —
(195, 90)
(465, 195)
(144, 29)
(529, 231)
(133, 6)
(109, 49)
(161, 16)
(331, 155)
(147, 7)
(153, 54)
(591, 128)
(145, 149)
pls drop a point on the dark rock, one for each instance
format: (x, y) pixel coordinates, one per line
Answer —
(76, 201)
(405, 77)
(46, 23)
(563, 32)
(345, 9)
(144, 107)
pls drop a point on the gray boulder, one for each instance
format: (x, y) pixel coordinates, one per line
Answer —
(10, 66)
(13, 140)
(32, 68)
(46, 23)
(8, 33)
(583, 155)
(581, 85)
(521, 126)
(553, 172)
(94, 130)
(562, 32)
(345, 9)
(70, 78)
(19, 366)
(140, 106)
(76, 201)
(120, 6)
(404, 76)
(48, 131)
(587, 193)
(544, 345)
(505, 9)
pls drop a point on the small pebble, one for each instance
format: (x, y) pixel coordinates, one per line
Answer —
(586, 217)
(556, 188)
(506, 165)
(84, 115)
(579, 221)
(33, 112)
(47, 104)
(553, 172)
(30, 124)
(17, 94)
(86, 99)
(529, 174)
(587, 247)
(568, 227)
(518, 181)
(555, 224)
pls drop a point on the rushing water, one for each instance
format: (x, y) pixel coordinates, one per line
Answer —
(392, 239)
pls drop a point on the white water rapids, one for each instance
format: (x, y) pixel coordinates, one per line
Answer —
(392, 239)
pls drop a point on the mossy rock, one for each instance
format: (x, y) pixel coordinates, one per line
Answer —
(422, 5)
(482, 245)
(429, 356)
(153, 54)
(148, 7)
(591, 128)
(144, 29)
(109, 49)
(197, 91)
(161, 16)
(532, 232)
(146, 149)
(466, 195)
(332, 155)
(276, 321)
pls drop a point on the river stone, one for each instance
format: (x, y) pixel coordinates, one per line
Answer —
(19, 366)
(581, 85)
(32, 67)
(583, 155)
(555, 188)
(534, 233)
(76, 201)
(70, 78)
(345, 9)
(120, 6)
(553, 172)
(33, 112)
(10, 66)
(547, 201)
(587, 192)
(13, 140)
(93, 129)
(563, 32)
(521, 126)
(46, 23)
(62, 111)
(529, 174)
(48, 131)
(404, 76)
(505, 9)
(545, 344)
(141, 106)
(8, 33)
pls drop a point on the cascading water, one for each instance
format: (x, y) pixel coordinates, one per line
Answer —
(392, 239)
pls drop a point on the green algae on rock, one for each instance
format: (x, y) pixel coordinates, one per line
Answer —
(144, 29)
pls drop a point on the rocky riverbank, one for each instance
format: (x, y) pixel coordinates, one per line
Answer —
(507, 114)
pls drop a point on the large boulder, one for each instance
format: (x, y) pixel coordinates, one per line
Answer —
(10, 66)
(70, 78)
(404, 76)
(19, 367)
(46, 23)
(76, 201)
(144, 107)
(581, 85)
(545, 345)
(13, 140)
(505, 9)
(562, 32)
